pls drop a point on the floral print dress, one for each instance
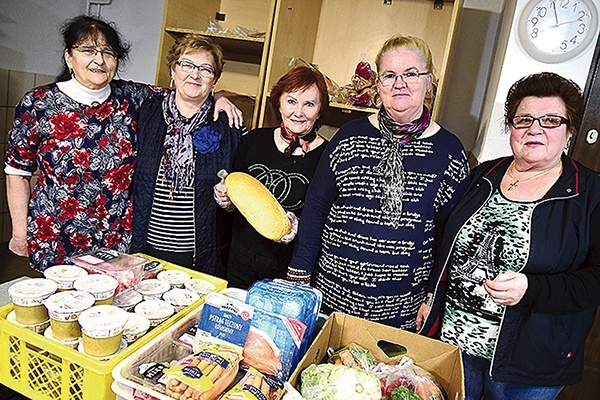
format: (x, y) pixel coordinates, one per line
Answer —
(85, 155)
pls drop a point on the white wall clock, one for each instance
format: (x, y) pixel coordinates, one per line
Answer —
(554, 31)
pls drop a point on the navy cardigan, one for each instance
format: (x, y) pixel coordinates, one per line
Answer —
(151, 135)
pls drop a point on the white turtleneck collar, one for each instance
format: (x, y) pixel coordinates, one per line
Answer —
(81, 94)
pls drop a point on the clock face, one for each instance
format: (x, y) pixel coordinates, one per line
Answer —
(555, 31)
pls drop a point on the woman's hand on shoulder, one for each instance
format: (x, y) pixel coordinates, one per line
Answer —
(220, 192)
(234, 114)
(507, 288)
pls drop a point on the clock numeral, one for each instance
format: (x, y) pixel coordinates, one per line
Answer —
(564, 3)
(574, 40)
(534, 33)
(581, 29)
(563, 45)
(541, 11)
(534, 21)
(582, 15)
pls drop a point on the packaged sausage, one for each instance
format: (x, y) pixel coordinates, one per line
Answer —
(205, 374)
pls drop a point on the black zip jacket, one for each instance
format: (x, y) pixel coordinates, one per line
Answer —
(541, 339)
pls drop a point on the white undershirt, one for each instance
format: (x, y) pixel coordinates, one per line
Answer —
(80, 94)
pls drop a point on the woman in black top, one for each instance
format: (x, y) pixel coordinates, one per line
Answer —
(284, 160)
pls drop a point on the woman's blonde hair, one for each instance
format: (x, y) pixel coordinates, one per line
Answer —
(417, 45)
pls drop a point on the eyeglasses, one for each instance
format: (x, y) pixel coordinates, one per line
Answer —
(407, 77)
(91, 52)
(545, 121)
(205, 70)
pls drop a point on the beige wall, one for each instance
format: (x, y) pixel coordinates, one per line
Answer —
(13, 84)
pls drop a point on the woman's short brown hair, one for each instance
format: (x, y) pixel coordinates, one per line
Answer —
(300, 78)
(546, 84)
(192, 43)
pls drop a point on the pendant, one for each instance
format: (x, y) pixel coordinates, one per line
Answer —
(512, 185)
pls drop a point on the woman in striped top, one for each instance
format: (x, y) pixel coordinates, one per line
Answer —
(180, 152)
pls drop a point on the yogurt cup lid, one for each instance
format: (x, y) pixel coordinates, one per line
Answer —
(135, 324)
(155, 309)
(181, 297)
(200, 286)
(96, 283)
(127, 298)
(151, 287)
(27, 290)
(64, 273)
(174, 276)
(236, 293)
(69, 302)
(103, 321)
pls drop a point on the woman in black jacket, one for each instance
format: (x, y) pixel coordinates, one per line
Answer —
(517, 281)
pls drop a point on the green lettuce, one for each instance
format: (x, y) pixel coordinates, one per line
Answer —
(331, 382)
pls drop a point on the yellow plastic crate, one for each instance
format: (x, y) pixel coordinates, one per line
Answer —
(40, 368)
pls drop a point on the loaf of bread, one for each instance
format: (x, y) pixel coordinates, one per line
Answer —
(257, 205)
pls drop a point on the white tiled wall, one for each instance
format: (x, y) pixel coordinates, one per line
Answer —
(13, 84)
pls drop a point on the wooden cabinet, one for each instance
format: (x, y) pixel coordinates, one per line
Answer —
(334, 35)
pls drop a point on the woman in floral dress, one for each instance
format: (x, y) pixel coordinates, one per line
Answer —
(80, 133)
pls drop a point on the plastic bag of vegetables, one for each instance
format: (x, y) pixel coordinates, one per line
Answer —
(331, 382)
(353, 356)
(410, 376)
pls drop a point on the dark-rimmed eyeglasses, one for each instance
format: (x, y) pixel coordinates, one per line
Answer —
(91, 52)
(408, 77)
(545, 121)
(205, 70)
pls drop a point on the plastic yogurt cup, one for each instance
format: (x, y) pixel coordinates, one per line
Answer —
(73, 343)
(28, 297)
(127, 299)
(157, 311)
(174, 277)
(180, 298)
(137, 325)
(200, 286)
(102, 328)
(152, 288)
(37, 328)
(64, 275)
(101, 286)
(64, 309)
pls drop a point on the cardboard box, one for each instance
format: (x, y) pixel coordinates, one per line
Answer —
(441, 359)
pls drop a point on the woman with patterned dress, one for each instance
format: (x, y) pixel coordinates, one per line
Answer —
(380, 195)
(517, 282)
(80, 134)
(284, 159)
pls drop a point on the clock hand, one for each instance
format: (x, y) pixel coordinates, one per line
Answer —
(555, 15)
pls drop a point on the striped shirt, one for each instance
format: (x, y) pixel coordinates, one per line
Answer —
(171, 225)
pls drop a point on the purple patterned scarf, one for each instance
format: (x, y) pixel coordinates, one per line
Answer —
(390, 166)
(178, 160)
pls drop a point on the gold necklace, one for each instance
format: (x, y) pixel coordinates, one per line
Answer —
(517, 181)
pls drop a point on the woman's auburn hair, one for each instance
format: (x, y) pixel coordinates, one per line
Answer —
(300, 78)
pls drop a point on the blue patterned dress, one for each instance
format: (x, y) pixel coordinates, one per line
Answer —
(85, 156)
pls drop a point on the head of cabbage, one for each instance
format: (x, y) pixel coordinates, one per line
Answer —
(331, 382)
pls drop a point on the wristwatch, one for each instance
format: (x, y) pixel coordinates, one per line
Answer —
(428, 300)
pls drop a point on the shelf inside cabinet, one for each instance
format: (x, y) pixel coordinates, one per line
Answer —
(235, 47)
(347, 108)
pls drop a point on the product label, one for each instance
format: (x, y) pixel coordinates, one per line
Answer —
(226, 318)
